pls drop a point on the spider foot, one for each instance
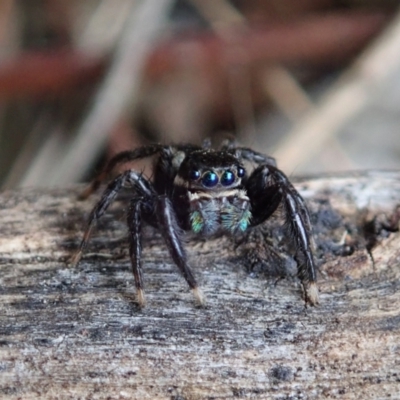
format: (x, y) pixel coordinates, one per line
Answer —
(198, 294)
(77, 257)
(311, 293)
(75, 260)
(140, 298)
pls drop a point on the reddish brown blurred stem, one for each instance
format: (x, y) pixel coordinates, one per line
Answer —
(326, 40)
(47, 72)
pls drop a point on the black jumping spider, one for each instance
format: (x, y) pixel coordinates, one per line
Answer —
(207, 192)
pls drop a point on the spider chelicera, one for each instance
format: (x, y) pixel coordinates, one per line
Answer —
(207, 192)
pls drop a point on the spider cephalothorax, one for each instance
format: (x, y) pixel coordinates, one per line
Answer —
(210, 183)
(206, 192)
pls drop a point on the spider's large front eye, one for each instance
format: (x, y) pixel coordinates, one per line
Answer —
(210, 179)
(194, 174)
(227, 178)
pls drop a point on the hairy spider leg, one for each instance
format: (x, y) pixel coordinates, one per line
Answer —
(259, 158)
(251, 155)
(135, 244)
(120, 159)
(166, 221)
(277, 189)
(128, 177)
(170, 230)
(160, 206)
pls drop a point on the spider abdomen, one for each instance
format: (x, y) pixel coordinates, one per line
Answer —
(214, 212)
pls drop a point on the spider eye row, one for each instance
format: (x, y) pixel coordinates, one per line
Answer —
(194, 175)
(210, 179)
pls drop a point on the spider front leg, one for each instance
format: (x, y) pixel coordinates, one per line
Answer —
(267, 187)
(158, 211)
(130, 178)
(135, 244)
(171, 232)
(160, 207)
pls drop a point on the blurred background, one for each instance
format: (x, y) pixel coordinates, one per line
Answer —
(314, 83)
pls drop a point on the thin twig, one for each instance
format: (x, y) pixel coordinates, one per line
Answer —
(284, 90)
(347, 97)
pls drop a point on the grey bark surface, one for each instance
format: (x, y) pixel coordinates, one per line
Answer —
(73, 333)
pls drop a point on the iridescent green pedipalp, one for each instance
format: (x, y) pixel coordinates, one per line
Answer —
(245, 221)
(233, 221)
(197, 221)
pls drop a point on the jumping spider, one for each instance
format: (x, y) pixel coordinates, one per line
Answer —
(204, 191)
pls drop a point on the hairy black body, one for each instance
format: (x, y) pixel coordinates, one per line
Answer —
(204, 191)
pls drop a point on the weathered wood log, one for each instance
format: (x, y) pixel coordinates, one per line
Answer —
(77, 333)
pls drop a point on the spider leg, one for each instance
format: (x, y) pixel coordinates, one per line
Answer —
(268, 187)
(251, 155)
(170, 230)
(135, 246)
(129, 177)
(119, 159)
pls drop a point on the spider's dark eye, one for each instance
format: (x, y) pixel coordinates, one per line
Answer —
(210, 179)
(194, 174)
(227, 178)
(241, 172)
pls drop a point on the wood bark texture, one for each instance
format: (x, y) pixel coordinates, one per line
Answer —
(69, 333)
